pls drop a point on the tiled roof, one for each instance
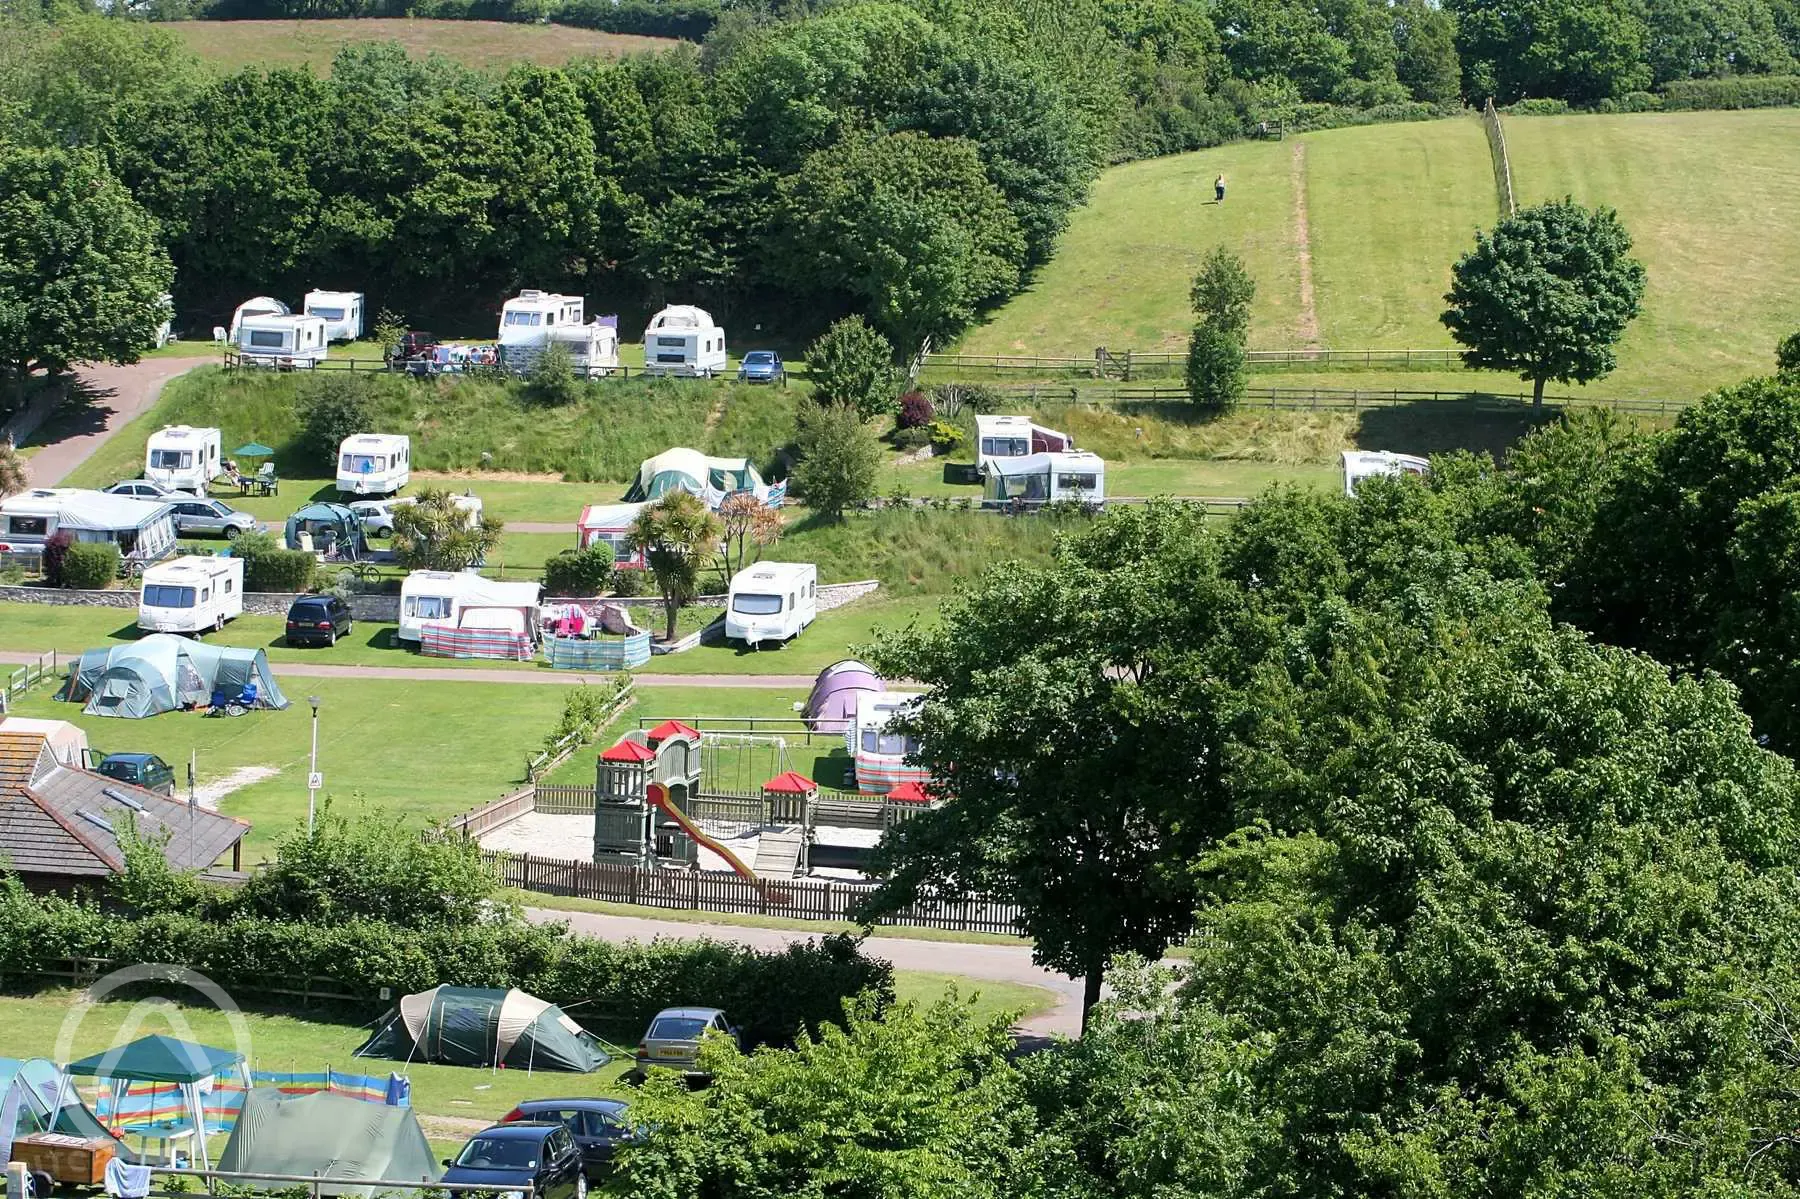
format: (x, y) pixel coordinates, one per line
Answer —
(19, 757)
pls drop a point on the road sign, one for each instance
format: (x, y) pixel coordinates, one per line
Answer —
(315, 781)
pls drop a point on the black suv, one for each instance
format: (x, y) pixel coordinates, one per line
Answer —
(318, 620)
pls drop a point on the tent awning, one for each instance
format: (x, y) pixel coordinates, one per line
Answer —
(157, 1058)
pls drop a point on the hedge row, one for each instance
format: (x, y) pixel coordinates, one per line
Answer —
(690, 20)
(1684, 95)
(773, 995)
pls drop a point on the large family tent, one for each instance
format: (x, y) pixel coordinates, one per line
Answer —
(712, 479)
(832, 705)
(470, 1026)
(339, 1139)
(329, 529)
(164, 672)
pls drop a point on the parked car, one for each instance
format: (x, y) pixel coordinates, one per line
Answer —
(377, 516)
(211, 518)
(144, 489)
(508, 1157)
(411, 346)
(673, 1041)
(762, 366)
(140, 770)
(318, 620)
(599, 1127)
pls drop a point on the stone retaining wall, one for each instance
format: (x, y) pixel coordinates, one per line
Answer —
(256, 603)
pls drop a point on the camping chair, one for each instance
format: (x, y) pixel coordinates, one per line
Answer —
(224, 705)
(267, 482)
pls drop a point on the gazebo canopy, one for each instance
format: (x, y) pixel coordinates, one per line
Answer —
(790, 782)
(157, 1058)
(909, 792)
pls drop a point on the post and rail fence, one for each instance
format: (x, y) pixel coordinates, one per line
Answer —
(1496, 138)
(1313, 398)
(1125, 364)
(25, 677)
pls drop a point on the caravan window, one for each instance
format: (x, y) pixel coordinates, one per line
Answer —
(362, 464)
(525, 319)
(267, 339)
(876, 741)
(166, 595)
(756, 605)
(29, 526)
(1077, 483)
(428, 607)
(677, 342)
(621, 546)
(330, 314)
(1005, 447)
(171, 459)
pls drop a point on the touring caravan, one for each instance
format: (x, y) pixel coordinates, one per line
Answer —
(183, 458)
(255, 306)
(191, 595)
(684, 340)
(611, 523)
(374, 463)
(342, 312)
(1366, 464)
(1002, 437)
(1076, 477)
(771, 601)
(289, 342)
(463, 599)
(144, 530)
(877, 756)
(529, 316)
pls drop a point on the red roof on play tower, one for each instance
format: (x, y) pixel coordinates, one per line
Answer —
(909, 792)
(673, 728)
(790, 783)
(628, 751)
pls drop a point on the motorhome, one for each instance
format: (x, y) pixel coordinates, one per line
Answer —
(255, 306)
(611, 523)
(342, 312)
(183, 458)
(1367, 464)
(292, 342)
(529, 316)
(1002, 437)
(877, 756)
(771, 601)
(371, 464)
(191, 595)
(144, 530)
(463, 599)
(684, 340)
(1074, 477)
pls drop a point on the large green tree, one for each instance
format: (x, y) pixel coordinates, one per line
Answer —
(82, 271)
(852, 365)
(1221, 295)
(1546, 294)
(1582, 51)
(839, 458)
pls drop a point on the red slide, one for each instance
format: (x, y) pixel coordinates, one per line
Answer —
(658, 796)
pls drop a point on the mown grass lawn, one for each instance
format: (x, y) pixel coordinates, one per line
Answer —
(234, 44)
(830, 638)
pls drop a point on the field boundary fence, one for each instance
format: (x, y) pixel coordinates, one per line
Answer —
(25, 677)
(1496, 137)
(1353, 399)
(1126, 365)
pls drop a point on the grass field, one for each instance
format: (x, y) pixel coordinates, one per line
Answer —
(1711, 199)
(234, 44)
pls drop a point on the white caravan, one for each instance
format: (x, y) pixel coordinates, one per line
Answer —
(374, 463)
(1002, 437)
(771, 601)
(1366, 464)
(463, 599)
(255, 306)
(342, 312)
(877, 756)
(191, 595)
(294, 342)
(1075, 477)
(183, 458)
(593, 349)
(529, 316)
(144, 530)
(684, 340)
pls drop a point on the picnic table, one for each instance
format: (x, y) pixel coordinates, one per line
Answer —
(263, 483)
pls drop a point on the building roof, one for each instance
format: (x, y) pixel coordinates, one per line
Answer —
(628, 751)
(95, 511)
(790, 782)
(673, 728)
(59, 819)
(909, 792)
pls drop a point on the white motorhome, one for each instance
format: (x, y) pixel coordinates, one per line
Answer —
(463, 599)
(184, 458)
(1078, 476)
(684, 340)
(144, 530)
(878, 756)
(771, 601)
(1367, 464)
(191, 595)
(294, 342)
(342, 312)
(374, 463)
(529, 316)
(1002, 437)
(255, 306)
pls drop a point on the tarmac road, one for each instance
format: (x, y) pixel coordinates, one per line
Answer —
(120, 393)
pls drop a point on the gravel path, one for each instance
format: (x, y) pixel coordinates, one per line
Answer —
(121, 392)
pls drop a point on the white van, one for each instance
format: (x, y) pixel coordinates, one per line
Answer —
(191, 595)
(464, 599)
(1367, 464)
(293, 342)
(684, 340)
(342, 312)
(183, 458)
(877, 756)
(374, 463)
(771, 601)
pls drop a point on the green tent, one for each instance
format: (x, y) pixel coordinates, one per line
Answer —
(468, 1026)
(162, 672)
(332, 1136)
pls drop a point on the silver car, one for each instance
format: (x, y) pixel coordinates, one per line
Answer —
(211, 518)
(673, 1041)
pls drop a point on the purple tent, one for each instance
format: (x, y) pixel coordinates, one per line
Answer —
(832, 705)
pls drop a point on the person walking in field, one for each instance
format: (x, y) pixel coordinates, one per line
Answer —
(1219, 190)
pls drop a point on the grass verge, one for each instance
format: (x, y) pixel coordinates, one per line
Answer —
(701, 920)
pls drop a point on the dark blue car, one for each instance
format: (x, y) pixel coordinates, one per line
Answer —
(600, 1127)
(510, 1157)
(762, 366)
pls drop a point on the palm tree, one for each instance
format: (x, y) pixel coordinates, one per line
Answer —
(676, 535)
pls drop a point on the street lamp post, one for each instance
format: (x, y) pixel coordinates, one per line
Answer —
(313, 780)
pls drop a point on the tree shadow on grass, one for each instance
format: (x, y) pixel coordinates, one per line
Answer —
(1440, 426)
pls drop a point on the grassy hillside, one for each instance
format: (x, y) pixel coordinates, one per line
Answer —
(233, 44)
(1712, 199)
